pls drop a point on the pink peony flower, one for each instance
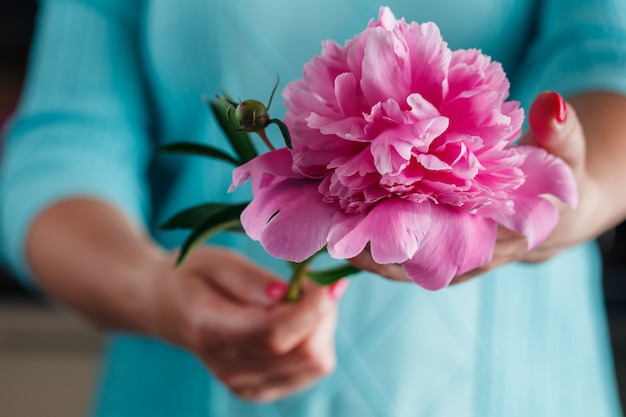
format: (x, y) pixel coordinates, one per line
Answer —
(404, 145)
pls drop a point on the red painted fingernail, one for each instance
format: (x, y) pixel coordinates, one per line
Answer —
(560, 107)
(338, 288)
(276, 290)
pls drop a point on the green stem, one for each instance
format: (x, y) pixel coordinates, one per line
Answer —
(265, 139)
(298, 277)
(283, 130)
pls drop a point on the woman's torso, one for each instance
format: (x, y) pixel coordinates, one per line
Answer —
(522, 341)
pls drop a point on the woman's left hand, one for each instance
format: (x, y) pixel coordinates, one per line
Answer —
(589, 134)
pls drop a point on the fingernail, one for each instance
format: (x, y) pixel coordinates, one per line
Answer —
(560, 107)
(337, 288)
(276, 290)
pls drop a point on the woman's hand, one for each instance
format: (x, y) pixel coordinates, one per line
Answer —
(230, 313)
(218, 305)
(589, 133)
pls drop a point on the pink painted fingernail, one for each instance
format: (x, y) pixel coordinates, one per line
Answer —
(276, 290)
(337, 288)
(560, 107)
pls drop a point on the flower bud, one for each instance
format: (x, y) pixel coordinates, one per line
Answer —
(251, 116)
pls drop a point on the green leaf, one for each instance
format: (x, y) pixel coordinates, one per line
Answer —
(239, 140)
(189, 218)
(328, 276)
(221, 220)
(189, 148)
(238, 228)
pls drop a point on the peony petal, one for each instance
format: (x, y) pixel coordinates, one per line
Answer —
(422, 108)
(547, 174)
(344, 240)
(406, 179)
(264, 205)
(361, 163)
(428, 50)
(314, 161)
(394, 229)
(473, 110)
(457, 242)
(394, 147)
(478, 69)
(432, 162)
(289, 219)
(386, 19)
(350, 128)
(276, 163)
(534, 217)
(384, 75)
(348, 96)
(301, 99)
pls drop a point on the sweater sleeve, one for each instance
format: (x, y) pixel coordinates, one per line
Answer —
(579, 45)
(82, 123)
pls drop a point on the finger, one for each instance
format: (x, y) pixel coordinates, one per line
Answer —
(291, 323)
(555, 127)
(285, 374)
(267, 331)
(236, 277)
(252, 370)
(365, 262)
(274, 389)
(311, 360)
(315, 350)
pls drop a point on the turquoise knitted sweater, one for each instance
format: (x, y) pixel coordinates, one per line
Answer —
(110, 79)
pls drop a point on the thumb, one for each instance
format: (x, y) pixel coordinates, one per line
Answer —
(235, 276)
(554, 126)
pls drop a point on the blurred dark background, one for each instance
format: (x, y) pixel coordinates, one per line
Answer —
(16, 23)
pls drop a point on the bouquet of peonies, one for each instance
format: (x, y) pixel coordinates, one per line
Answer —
(397, 145)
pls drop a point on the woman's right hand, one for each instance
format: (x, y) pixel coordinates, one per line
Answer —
(230, 313)
(217, 304)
